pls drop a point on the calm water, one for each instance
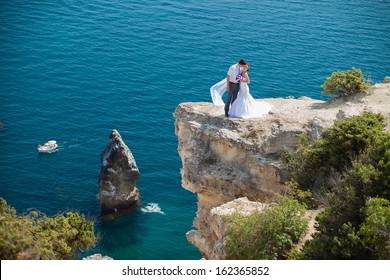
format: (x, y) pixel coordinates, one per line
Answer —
(73, 70)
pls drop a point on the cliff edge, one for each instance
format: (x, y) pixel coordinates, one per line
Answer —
(227, 158)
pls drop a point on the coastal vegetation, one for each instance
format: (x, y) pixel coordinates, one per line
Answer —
(315, 166)
(37, 236)
(267, 234)
(345, 83)
(347, 174)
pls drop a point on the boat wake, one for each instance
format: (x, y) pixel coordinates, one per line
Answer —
(152, 208)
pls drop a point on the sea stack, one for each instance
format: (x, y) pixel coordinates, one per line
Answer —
(118, 176)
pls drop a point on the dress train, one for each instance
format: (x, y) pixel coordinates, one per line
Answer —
(245, 106)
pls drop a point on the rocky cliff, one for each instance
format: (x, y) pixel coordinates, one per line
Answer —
(226, 158)
(118, 176)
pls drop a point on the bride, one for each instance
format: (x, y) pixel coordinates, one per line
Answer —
(245, 106)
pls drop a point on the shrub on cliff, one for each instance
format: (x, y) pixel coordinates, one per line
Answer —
(313, 165)
(357, 210)
(348, 138)
(375, 230)
(345, 83)
(270, 234)
(369, 239)
(36, 236)
(304, 197)
(351, 164)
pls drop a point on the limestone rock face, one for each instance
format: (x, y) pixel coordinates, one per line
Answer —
(214, 248)
(227, 158)
(118, 176)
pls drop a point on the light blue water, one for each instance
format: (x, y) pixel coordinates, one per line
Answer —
(73, 70)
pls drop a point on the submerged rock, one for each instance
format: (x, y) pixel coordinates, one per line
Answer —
(118, 176)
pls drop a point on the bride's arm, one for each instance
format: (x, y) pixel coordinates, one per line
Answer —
(246, 77)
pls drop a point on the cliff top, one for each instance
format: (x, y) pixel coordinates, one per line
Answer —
(287, 115)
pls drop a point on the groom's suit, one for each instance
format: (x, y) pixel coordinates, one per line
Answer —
(234, 86)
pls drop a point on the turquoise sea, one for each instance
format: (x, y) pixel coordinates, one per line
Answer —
(73, 70)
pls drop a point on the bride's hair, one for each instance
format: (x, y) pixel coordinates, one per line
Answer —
(248, 67)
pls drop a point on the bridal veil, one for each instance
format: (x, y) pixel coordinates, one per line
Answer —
(217, 91)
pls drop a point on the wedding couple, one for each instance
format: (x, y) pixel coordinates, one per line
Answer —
(239, 102)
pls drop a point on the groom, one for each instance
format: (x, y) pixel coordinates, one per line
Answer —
(233, 83)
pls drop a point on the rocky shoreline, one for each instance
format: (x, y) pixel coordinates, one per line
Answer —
(225, 159)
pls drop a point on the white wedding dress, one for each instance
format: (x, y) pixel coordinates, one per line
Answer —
(245, 106)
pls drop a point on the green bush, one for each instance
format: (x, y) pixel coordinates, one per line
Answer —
(36, 236)
(370, 174)
(305, 198)
(313, 165)
(368, 240)
(270, 234)
(348, 138)
(305, 164)
(375, 231)
(345, 83)
(351, 166)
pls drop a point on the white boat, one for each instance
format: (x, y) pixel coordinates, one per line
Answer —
(50, 146)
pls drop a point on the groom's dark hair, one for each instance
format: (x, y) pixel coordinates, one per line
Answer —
(242, 62)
